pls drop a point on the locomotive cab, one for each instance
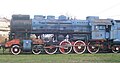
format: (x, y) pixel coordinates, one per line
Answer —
(101, 35)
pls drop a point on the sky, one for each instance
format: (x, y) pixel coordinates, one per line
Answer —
(71, 8)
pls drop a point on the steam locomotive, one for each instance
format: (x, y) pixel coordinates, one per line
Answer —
(46, 33)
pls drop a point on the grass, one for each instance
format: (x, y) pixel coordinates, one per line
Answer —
(60, 58)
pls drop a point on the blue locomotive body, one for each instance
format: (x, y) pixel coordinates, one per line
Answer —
(61, 25)
(93, 33)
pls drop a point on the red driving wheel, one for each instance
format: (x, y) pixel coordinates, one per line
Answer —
(65, 47)
(79, 47)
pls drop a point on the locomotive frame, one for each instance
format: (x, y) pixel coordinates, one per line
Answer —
(64, 35)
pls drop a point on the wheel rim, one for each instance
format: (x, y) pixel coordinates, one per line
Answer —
(65, 47)
(92, 48)
(36, 50)
(51, 50)
(115, 49)
(15, 49)
(79, 47)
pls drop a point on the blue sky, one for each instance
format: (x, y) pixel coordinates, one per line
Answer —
(72, 8)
